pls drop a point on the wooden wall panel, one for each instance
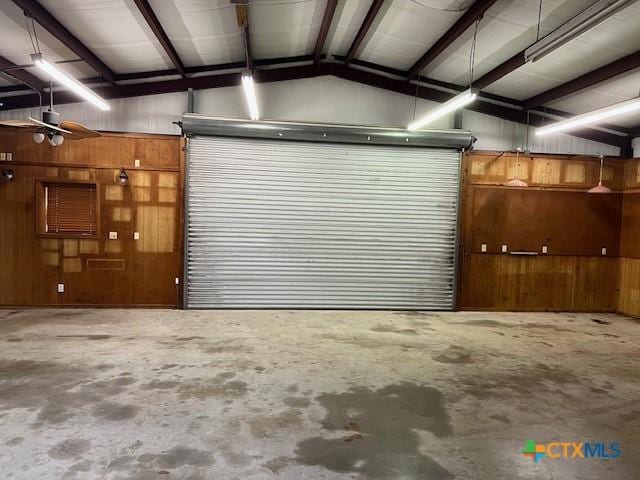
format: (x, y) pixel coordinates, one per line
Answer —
(95, 272)
(556, 171)
(630, 230)
(544, 283)
(555, 210)
(629, 300)
(568, 222)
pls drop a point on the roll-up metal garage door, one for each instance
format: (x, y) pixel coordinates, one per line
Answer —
(277, 224)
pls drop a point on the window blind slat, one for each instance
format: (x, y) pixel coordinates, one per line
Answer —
(71, 208)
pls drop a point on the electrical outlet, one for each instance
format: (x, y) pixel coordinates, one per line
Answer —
(604, 250)
(483, 248)
(136, 162)
(3, 156)
(545, 249)
(61, 288)
(113, 235)
(505, 249)
(9, 156)
(177, 280)
(136, 235)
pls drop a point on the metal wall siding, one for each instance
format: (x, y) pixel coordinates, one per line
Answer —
(276, 224)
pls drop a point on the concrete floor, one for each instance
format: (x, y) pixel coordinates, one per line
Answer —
(157, 394)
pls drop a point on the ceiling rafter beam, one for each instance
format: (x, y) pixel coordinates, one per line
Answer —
(267, 62)
(590, 79)
(153, 22)
(502, 70)
(23, 76)
(512, 102)
(506, 113)
(364, 29)
(36, 11)
(473, 14)
(327, 18)
(308, 71)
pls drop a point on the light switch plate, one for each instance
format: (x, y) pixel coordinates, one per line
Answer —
(483, 248)
(604, 250)
(505, 249)
(3, 156)
(61, 288)
(177, 280)
(545, 249)
(9, 156)
(113, 235)
(136, 235)
(136, 163)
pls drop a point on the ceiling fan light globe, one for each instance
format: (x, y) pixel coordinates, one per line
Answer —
(38, 137)
(57, 140)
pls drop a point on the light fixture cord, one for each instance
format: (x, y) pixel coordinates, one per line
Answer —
(517, 163)
(472, 53)
(601, 164)
(415, 101)
(539, 21)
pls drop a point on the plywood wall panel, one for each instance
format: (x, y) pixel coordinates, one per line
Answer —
(560, 283)
(101, 271)
(109, 151)
(568, 222)
(556, 211)
(558, 171)
(629, 302)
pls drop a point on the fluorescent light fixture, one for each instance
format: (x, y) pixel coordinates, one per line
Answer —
(449, 106)
(71, 83)
(589, 118)
(250, 94)
(589, 18)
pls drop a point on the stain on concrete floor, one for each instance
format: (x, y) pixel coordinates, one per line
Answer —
(385, 444)
(153, 394)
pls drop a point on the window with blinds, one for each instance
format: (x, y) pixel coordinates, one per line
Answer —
(70, 209)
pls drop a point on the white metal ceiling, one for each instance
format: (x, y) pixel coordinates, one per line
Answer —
(205, 32)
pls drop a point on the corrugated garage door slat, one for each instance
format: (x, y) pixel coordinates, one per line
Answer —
(304, 225)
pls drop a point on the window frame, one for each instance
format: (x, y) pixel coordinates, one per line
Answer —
(41, 212)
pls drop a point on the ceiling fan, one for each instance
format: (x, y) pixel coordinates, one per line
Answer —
(50, 127)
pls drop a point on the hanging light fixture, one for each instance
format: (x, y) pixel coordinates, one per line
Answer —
(456, 103)
(516, 182)
(593, 117)
(68, 81)
(123, 178)
(600, 188)
(249, 88)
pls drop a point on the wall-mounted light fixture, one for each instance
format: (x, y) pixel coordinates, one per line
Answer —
(8, 175)
(123, 178)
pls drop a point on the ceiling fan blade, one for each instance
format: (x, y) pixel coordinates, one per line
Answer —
(79, 131)
(49, 126)
(17, 124)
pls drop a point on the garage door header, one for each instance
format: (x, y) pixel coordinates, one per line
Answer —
(329, 133)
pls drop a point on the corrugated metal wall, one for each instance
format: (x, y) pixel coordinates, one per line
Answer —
(303, 225)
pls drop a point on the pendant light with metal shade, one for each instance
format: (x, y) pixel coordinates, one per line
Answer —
(516, 182)
(600, 188)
